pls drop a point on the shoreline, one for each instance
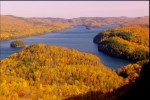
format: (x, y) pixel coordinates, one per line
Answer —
(54, 31)
(32, 35)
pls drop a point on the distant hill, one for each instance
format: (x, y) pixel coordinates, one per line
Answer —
(13, 27)
(141, 21)
(102, 21)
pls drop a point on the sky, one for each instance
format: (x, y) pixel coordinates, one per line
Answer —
(74, 9)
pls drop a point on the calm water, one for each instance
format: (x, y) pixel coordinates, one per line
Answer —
(78, 38)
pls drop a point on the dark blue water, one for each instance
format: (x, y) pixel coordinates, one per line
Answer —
(77, 37)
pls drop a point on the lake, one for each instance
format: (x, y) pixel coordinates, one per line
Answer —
(77, 37)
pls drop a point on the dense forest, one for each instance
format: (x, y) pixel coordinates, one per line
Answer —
(40, 71)
(13, 27)
(129, 42)
(136, 89)
(17, 44)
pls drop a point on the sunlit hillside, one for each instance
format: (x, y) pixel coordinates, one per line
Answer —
(129, 42)
(41, 71)
(13, 27)
(51, 72)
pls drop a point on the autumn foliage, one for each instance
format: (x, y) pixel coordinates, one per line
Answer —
(129, 42)
(42, 72)
(15, 27)
(17, 44)
(50, 72)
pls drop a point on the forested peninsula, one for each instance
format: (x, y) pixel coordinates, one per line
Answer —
(128, 42)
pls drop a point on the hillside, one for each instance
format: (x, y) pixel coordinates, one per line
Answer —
(103, 21)
(138, 21)
(134, 90)
(41, 71)
(98, 21)
(138, 90)
(44, 72)
(13, 27)
(128, 42)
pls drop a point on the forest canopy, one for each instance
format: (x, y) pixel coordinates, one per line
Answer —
(17, 44)
(44, 72)
(129, 42)
(16, 27)
(41, 71)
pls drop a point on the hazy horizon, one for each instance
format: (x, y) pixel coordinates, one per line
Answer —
(72, 18)
(75, 9)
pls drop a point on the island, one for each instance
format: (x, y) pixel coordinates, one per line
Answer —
(17, 44)
(88, 27)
